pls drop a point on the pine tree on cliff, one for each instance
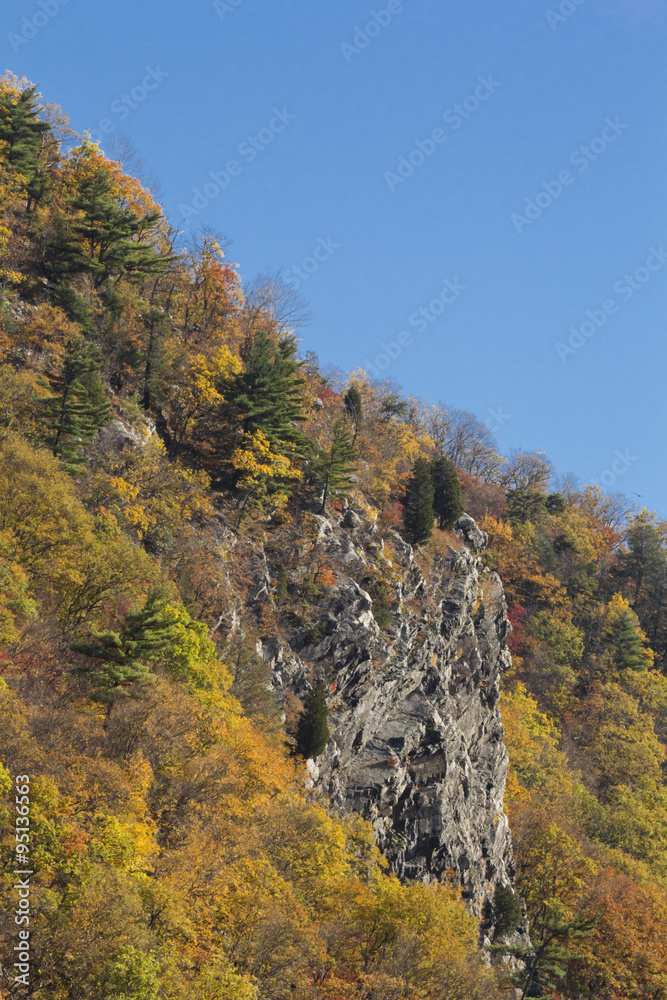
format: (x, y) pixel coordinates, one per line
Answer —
(418, 516)
(78, 406)
(332, 467)
(354, 407)
(312, 734)
(23, 133)
(630, 654)
(446, 492)
(268, 393)
(106, 239)
(121, 658)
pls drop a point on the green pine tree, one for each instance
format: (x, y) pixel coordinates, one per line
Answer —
(121, 658)
(555, 503)
(23, 132)
(78, 406)
(75, 307)
(267, 394)
(394, 406)
(312, 733)
(154, 361)
(507, 910)
(332, 467)
(524, 504)
(629, 652)
(418, 516)
(105, 239)
(552, 936)
(446, 492)
(354, 407)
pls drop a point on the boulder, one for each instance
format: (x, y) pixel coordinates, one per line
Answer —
(473, 538)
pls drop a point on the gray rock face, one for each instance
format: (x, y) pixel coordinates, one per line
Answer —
(417, 740)
(118, 435)
(466, 529)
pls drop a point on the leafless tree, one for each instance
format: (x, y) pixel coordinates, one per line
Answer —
(121, 149)
(465, 440)
(529, 470)
(270, 300)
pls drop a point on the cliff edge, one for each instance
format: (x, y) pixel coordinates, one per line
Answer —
(417, 740)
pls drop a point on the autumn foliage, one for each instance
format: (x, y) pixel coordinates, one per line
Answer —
(159, 436)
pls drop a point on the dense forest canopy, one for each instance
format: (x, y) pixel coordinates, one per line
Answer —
(157, 423)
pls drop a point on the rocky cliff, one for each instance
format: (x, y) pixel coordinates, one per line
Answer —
(417, 740)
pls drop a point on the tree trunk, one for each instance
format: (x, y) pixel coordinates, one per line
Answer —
(325, 494)
(148, 370)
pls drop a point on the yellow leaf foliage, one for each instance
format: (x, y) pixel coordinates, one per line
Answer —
(259, 465)
(85, 160)
(140, 489)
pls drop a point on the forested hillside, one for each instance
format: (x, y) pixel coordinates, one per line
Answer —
(160, 430)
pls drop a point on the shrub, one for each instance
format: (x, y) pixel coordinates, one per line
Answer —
(506, 910)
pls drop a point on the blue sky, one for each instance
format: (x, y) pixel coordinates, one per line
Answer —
(540, 198)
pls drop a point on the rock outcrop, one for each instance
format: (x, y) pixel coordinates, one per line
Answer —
(417, 740)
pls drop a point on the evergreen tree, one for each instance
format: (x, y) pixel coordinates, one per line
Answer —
(332, 466)
(154, 361)
(23, 132)
(418, 516)
(121, 658)
(394, 406)
(552, 936)
(312, 733)
(507, 910)
(629, 652)
(75, 307)
(555, 503)
(106, 239)
(354, 408)
(267, 394)
(524, 504)
(78, 407)
(446, 492)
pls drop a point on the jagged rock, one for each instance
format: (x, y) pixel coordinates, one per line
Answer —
(417, 740)
(118, 435)
(261, 580)
(21, 310)
(324, 526)
(313, 773)
(272, 651)
(473, 538)
(352, 520)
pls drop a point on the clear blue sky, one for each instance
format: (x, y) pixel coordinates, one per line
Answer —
(361, 101)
